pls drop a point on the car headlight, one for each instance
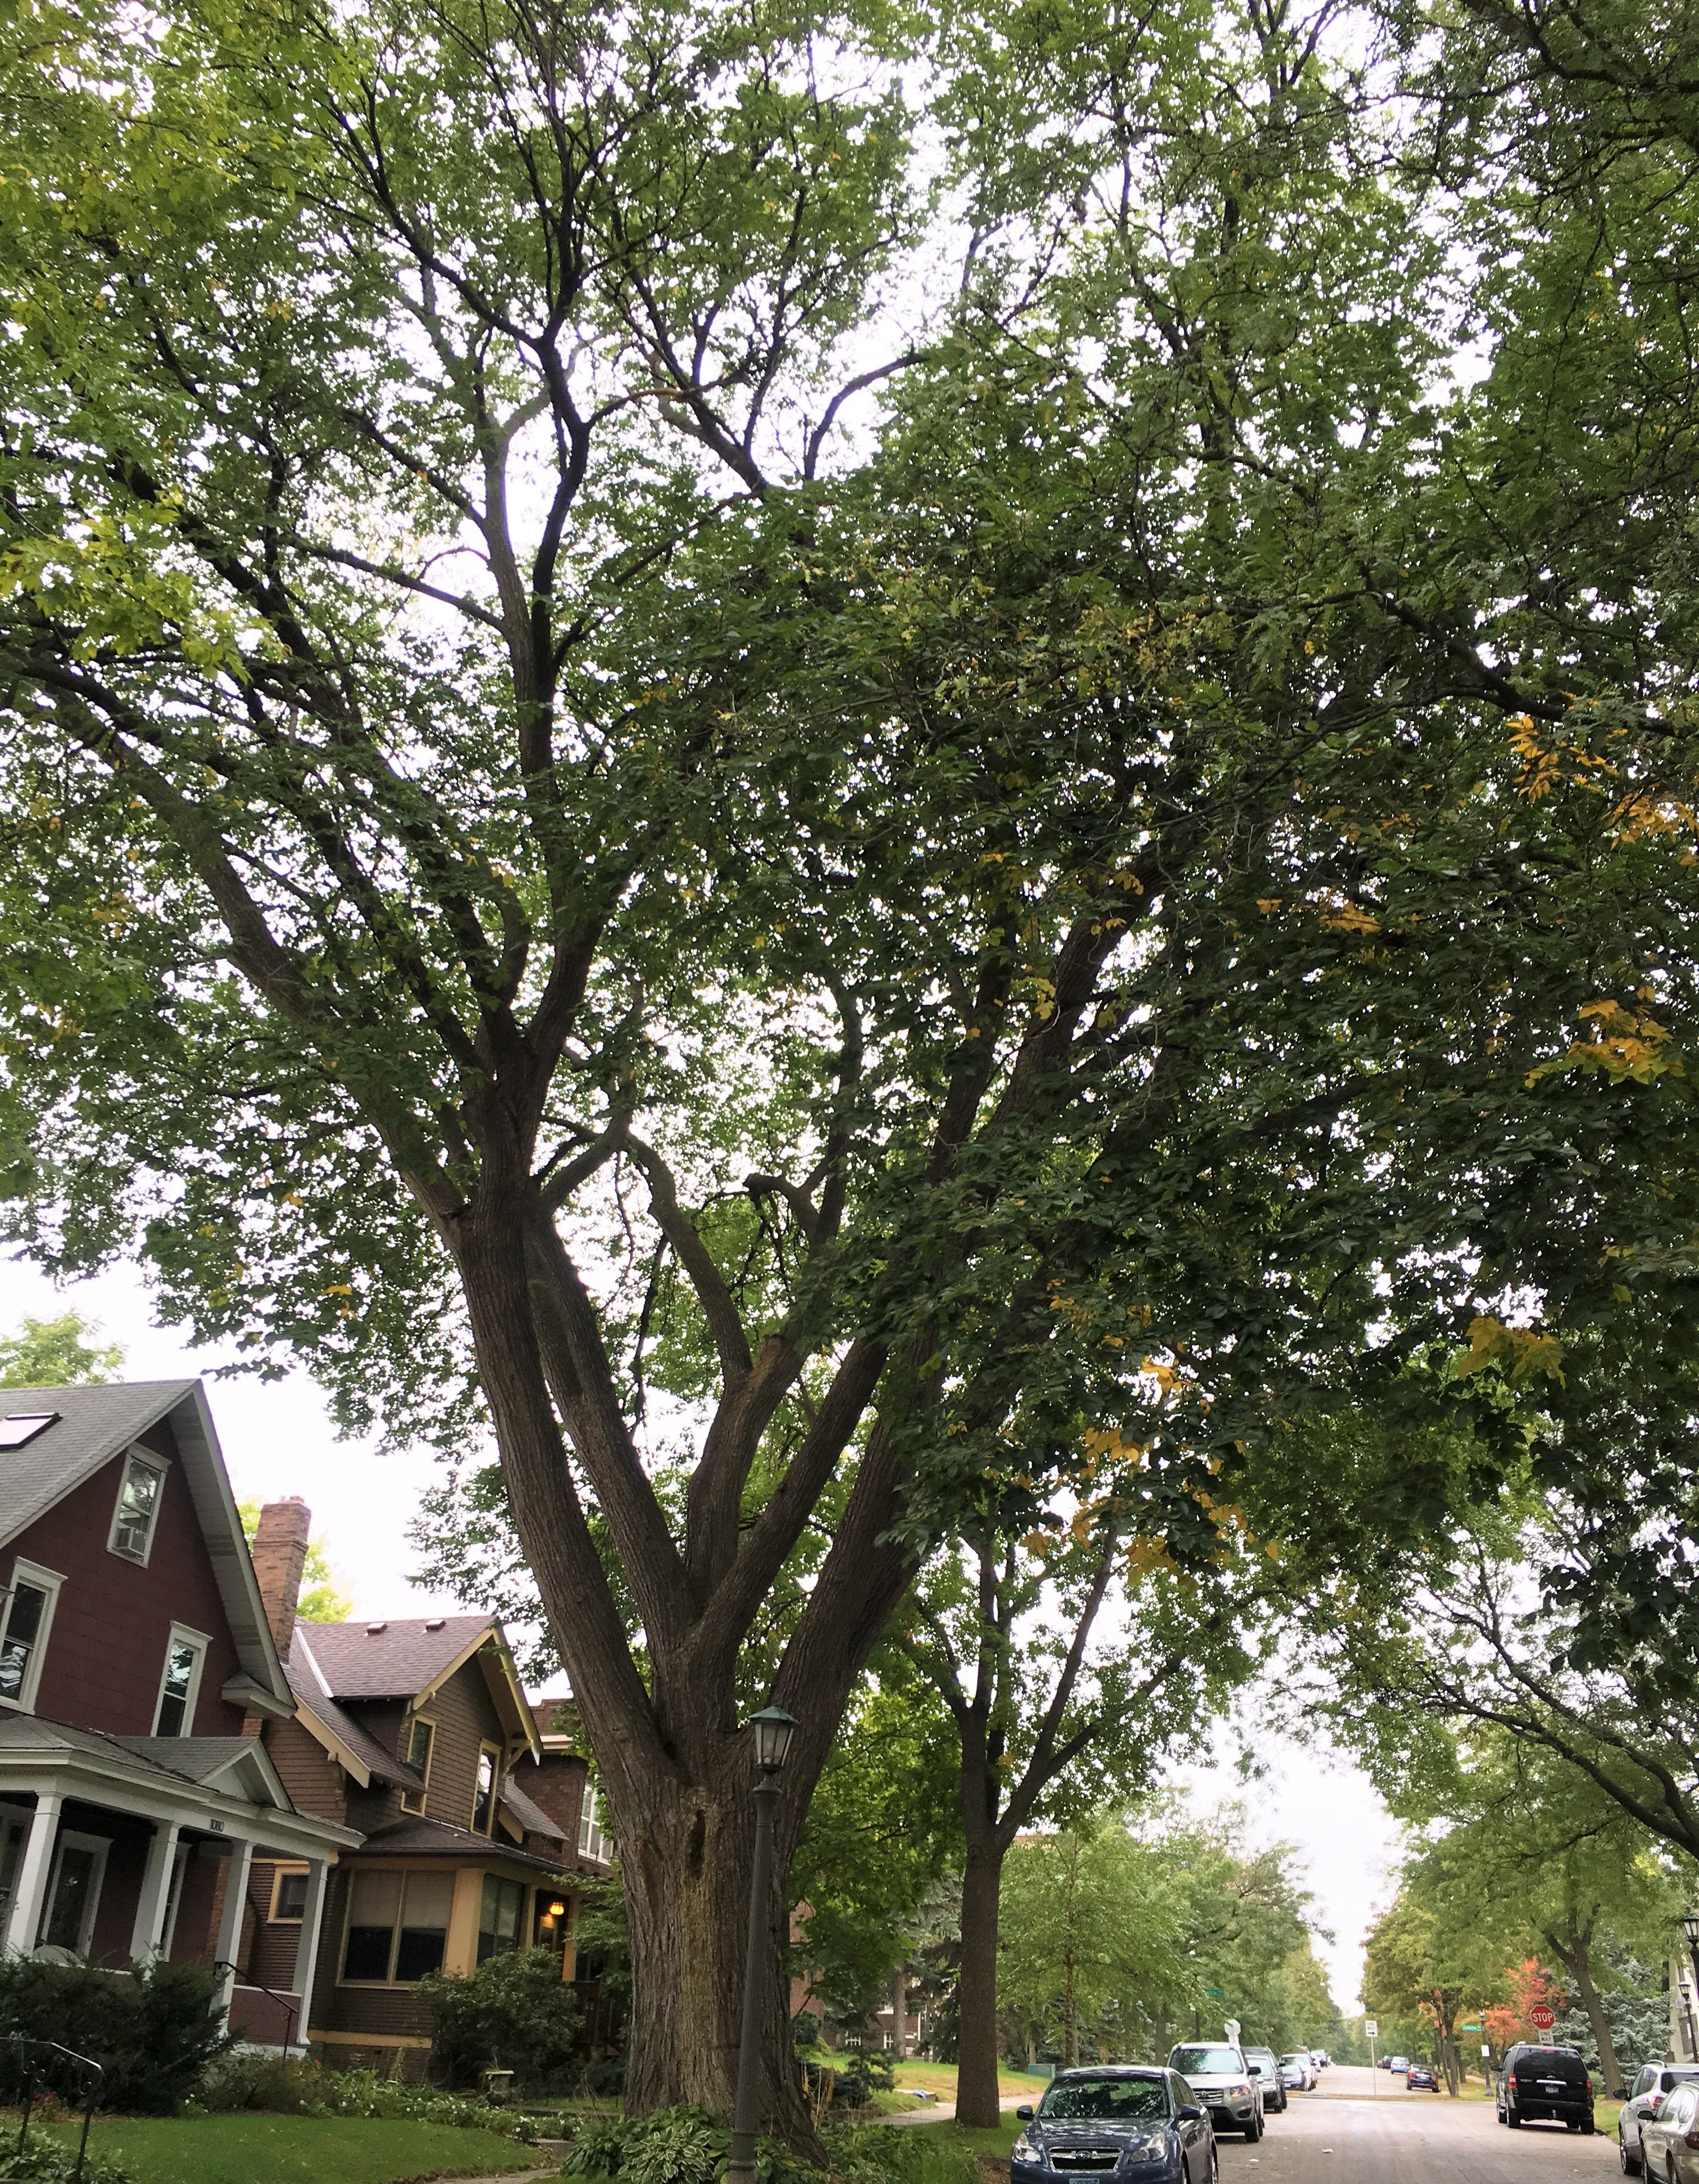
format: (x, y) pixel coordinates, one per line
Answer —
(1147, 2148)
(1026, 2149)
(1239, 2086)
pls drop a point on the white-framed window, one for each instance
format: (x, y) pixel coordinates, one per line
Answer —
(489, 1781)
(74, 1893)
(139, 1495)
(397, 1927)
(593, 1839)
(421, 1736)
(180, 1682)
(288, 1896)
(28, 1605)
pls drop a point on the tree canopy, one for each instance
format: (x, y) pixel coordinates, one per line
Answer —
(906, 729)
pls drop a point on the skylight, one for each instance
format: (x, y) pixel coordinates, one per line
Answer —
(18, 1427)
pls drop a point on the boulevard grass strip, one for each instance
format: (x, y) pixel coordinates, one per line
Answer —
(995, 2142)
(284, 2149)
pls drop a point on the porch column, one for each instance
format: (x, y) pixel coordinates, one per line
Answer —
(229, 1922)
(147, 1936)
(35, 1865)
(307, 1948)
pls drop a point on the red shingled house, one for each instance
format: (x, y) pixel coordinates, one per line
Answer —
(135, 1667)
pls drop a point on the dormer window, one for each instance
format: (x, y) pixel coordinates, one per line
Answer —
(179, 1684)
(420, 1736)
(139, 1507)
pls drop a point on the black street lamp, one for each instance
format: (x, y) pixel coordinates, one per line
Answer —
(774, 1728)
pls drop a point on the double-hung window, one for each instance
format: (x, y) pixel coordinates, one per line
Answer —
(28, 1613)
(398, 1926)
(420, 1736)
(484, 1797)
(593, 1839)
(179, 1683)
(289, 1895)
(138, 1507)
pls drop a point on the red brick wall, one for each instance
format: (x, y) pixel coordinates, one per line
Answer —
(107, 1650)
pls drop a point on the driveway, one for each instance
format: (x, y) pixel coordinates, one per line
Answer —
(1351, 2128)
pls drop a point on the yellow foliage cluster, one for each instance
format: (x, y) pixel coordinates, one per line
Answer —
(1620, 1042)
(1518, 1352)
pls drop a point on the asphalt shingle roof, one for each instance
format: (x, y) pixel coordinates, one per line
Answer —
(440, 1839)
(94, 1422)
(530, 1815)
(390, 1660)
(365, 1747)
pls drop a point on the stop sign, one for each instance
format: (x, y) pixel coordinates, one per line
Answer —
(1542, 2017)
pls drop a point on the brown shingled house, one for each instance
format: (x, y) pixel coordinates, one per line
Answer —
(416, 1731)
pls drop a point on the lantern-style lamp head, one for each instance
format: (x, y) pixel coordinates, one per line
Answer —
(774, 1728)
(1690, 1926)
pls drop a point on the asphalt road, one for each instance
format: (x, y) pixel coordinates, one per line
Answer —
(1350, 2128)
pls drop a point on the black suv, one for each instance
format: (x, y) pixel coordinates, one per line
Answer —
(1545, 2084)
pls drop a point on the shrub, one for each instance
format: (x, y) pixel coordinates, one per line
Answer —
(871, 2153)
(272, 2084)
(276, 2088)
(674, 2146)
(46, 2160)
(152, 2032)
(514, 2013)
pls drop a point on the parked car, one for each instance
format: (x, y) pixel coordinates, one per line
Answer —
(1096, 2121)
(1385, 2063)
(1546, 2085)
(1420, 2078)
(1669, 2138)
(1297, 2071)
(1265, 2067)
(1221, 2078)
(1322, 2058)
(1398, 2065)
(1650, 2086)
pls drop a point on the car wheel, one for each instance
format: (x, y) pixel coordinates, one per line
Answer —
(1214, 2164)
(1253, 2130)
(1630, 2162)
(1512, 2118)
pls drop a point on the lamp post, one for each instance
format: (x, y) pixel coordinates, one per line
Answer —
(774, 1728)
(1690, 1927)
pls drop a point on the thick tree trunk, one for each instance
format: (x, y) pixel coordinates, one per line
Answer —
(686, 1862)
(976, 2051)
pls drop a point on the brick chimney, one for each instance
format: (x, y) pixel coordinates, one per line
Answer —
(279, 1556)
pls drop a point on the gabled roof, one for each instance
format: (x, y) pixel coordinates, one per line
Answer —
(408, 1657)
(95, 1424)
(347, 1741)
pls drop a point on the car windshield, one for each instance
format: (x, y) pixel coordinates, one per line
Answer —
(1291, 2059)
(1104, 2100)
(1207, 2062)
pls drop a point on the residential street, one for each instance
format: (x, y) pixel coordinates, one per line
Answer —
(1390, 2136)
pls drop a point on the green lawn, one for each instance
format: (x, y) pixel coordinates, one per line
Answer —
(939, 2078)
(274, 2149)
(997, 2141)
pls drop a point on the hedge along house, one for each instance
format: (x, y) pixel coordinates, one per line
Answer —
(135, 1667)
(412, 1730)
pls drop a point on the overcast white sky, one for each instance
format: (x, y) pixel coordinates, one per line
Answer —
(278, 1439)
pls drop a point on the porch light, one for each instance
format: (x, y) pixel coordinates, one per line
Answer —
(774, 1728)
(557, 1910)
(1690, 1926)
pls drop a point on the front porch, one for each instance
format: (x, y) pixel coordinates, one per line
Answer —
(130, 1851)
